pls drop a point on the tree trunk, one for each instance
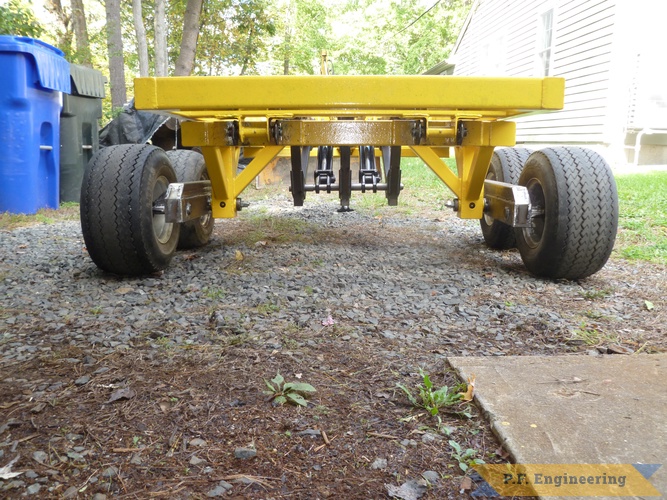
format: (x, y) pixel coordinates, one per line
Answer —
(186, 57)
(81, 33)
(160, 38)
(115, 50)
(140, 29)
(64, 42)
(286, 49)
(247, 52)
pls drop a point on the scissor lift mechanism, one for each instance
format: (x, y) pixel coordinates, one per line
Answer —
(346, 116)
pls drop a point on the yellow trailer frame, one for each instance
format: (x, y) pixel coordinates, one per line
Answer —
(558, 205)
(426, 115)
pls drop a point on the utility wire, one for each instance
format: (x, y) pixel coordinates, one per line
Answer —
(421, 15)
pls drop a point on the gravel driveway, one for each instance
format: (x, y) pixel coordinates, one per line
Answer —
(410, 289)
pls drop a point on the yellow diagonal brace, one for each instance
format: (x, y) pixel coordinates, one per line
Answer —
(439, 167)
(254, 168)
(221, 164)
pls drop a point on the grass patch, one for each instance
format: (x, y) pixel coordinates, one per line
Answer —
(591, 336)
(276, 229)
(642, 223)
(596, 294)
(67, 211)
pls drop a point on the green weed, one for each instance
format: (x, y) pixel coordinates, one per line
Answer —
(428, 398)
(282, 392)
(465, 458)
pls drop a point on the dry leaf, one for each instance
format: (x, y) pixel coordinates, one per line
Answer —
(466, 484)
(410, 490)
(468, 395)
(6, 471)
(38, 407)
(328, 321)
(125, 393)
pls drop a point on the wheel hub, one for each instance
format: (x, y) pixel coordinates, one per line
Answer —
(161, 228)
(534, 234)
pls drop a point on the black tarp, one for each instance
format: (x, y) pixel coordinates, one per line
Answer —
(132, 126)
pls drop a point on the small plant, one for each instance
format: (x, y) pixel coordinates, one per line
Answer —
(282, 392)
(268, 308)
(465, 458)
(164, 343)
(214, 293)
(596, 294)
(590, 336)
(429, 399)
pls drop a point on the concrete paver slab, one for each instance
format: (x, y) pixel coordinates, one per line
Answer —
(576, 409)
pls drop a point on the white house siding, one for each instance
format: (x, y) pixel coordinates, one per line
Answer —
(582, 48)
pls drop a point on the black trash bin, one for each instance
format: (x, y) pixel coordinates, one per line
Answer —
(79, 128)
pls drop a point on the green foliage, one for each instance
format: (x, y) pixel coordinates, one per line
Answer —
(465, 458)
(642, 217)
(402, 38)
(17, 18)
(303, 30)
(428, 398)
(282, 392)
(233, 37)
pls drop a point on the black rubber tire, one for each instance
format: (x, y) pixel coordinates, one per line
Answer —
(574, 234)
(190, 166)
(506, 165)
(122, 235)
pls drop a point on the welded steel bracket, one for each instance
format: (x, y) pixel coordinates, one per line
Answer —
(185, 201)
(508, 203)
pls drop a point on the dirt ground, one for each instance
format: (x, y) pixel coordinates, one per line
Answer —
(170, 422)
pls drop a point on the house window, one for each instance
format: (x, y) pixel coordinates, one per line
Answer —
(492, 56)
(545, 42)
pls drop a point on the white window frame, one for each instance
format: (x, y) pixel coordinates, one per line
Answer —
(492, 55)
(541, 48)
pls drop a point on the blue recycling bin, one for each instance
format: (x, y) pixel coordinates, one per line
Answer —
(34, 75)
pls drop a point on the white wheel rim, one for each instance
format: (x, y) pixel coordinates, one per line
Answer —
(161, 228)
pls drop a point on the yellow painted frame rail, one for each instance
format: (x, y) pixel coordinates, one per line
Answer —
(427, 114)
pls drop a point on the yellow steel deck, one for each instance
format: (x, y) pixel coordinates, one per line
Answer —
(427, 114)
